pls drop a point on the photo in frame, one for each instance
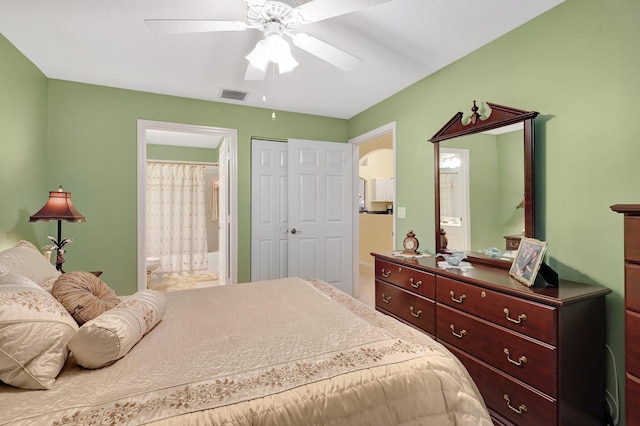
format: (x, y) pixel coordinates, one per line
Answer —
(528, 259)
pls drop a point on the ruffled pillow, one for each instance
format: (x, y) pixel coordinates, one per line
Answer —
(25, 259)
(84, 295)
(34, 331)
(110, 336)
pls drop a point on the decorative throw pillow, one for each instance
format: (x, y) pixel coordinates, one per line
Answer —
(84, 295)
(25, 259)
(34, 331)
(110, 336)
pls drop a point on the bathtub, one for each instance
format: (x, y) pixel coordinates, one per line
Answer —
(212, 260)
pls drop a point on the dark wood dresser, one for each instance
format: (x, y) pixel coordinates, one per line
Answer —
(536, 354)
(632, 309)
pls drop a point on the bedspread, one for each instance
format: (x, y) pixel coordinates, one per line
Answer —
(279, 352)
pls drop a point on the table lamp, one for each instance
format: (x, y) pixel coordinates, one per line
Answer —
(58, 207)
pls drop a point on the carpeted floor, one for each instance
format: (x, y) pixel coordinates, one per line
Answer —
(367, 285)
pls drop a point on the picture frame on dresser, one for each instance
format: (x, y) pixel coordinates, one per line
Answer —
(528, 260)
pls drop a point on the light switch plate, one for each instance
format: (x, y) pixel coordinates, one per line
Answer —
(402, 212)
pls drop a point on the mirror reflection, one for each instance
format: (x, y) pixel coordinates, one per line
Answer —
(482, 190)
(484, 182)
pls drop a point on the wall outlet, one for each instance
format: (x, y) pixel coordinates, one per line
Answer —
(402, 212)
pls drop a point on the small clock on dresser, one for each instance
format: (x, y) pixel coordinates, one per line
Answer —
(410, 243)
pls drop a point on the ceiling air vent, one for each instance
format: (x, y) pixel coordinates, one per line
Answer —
(236, 95)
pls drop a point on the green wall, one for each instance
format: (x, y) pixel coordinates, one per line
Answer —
(94, 131)
(577, 66)
(23, 147)
(84, 137)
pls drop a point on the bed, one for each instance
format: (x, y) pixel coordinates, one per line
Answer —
(279, 352)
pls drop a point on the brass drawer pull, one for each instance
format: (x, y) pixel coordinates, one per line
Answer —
(416, 285)
(454, 298)
(385, 298)
(520, 361)
(521, 409)
(386, 274)
(453, 331)
(520, 318)
(415, 314)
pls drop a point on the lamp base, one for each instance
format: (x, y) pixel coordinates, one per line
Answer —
(59, 261)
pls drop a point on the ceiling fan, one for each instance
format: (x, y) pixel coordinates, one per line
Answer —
(276, 20)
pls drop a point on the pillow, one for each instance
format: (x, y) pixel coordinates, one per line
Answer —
(34, 331)
(110, 336)
(25, 259)
(84, 295)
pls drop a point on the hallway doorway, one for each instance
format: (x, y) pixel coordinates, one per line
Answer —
(385, 136)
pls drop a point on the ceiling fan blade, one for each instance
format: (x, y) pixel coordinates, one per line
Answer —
(319, 10)
(194, 25)
(337, 57)
(254, 73)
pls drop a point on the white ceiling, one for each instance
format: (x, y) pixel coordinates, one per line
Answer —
(106, 42)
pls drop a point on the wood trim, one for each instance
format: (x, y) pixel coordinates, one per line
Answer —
(500, 116)
(627, 209)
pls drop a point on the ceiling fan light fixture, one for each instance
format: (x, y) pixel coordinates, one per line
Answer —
(278, 50)
(258, 56)
(273, 48)
(286, 64)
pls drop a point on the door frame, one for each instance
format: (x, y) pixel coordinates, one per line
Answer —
(389, 128)
(232, 137)
(466, 208)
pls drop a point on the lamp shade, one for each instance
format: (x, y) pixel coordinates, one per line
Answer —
(273, 48)
(58, 207)
(258, 56)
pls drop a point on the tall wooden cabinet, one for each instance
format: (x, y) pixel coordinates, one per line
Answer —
(536, 354)
(632, 309)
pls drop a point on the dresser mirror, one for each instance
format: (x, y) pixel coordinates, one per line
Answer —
(484, 182)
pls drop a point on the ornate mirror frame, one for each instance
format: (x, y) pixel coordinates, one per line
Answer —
(500, 116)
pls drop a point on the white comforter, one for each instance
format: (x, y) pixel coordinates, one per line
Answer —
(281, 352)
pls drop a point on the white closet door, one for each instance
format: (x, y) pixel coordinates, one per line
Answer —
(320, 212)
(306, 185)
(269, 210)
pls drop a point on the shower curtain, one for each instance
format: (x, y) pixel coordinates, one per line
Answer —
(176, 217)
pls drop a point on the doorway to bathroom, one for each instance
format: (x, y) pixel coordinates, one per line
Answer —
(204, 159)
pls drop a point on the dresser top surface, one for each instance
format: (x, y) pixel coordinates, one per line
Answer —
(566, 293)
(628, 209)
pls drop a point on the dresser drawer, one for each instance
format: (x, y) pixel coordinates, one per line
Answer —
(632, 286)
(419, 282)
(411, 308)
(632, 342)
(632, 389)
(531, 361)
(515, 401)
(632, 238)
(530, 318)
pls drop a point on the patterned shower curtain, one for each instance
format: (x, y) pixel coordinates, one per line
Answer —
(176, 217)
